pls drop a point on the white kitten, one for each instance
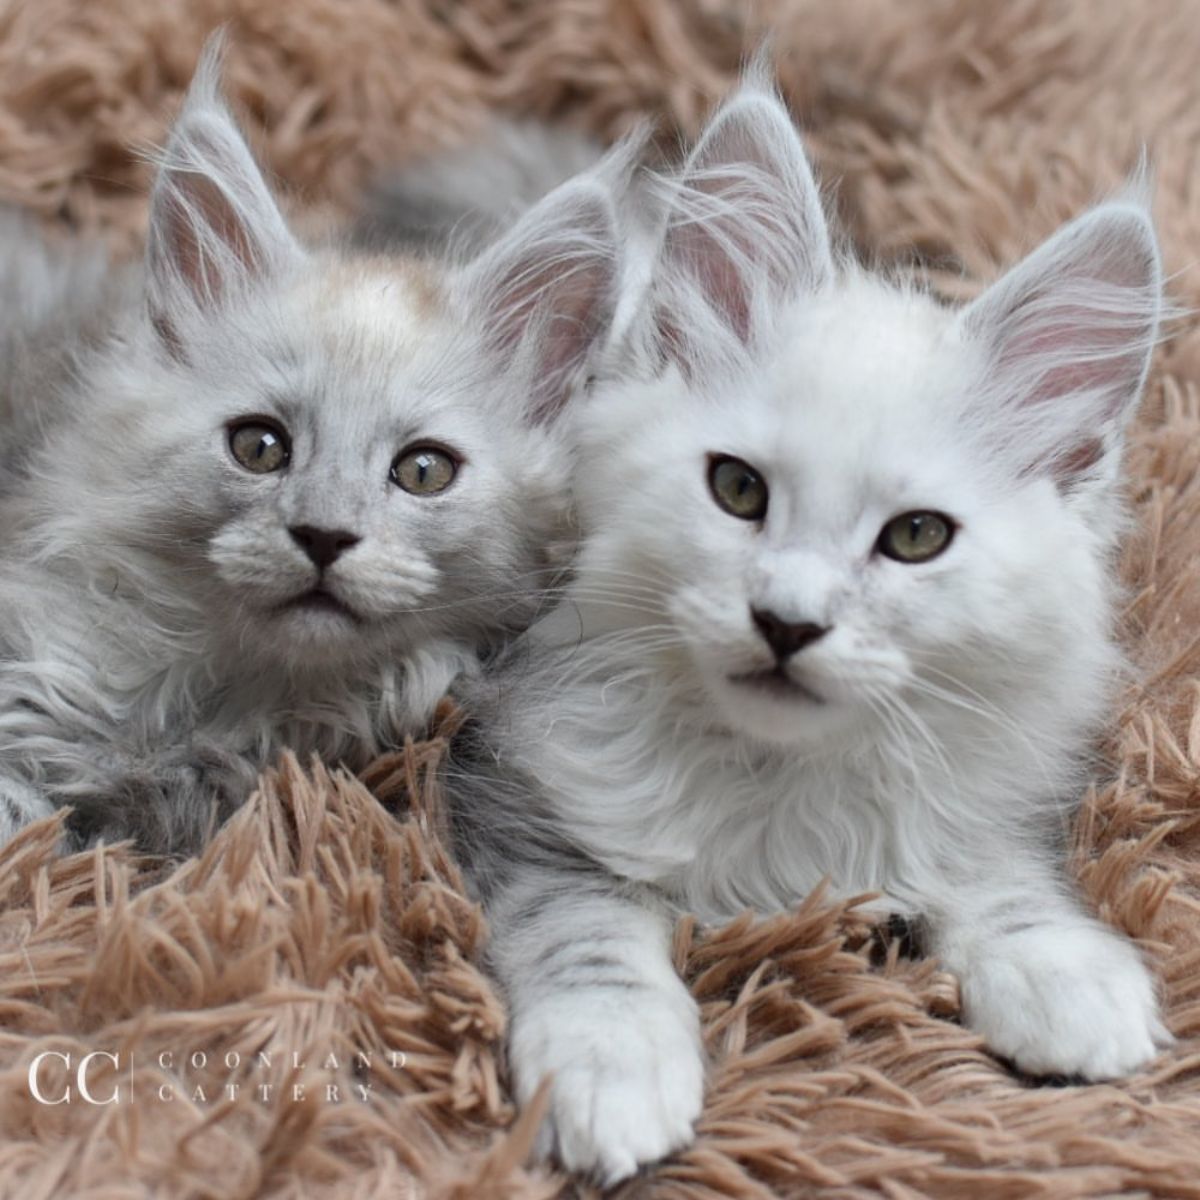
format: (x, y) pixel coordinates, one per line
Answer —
(285, 496)
(844, 607)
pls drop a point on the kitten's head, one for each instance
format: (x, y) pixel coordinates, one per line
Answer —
(329, 456)
(838, 507)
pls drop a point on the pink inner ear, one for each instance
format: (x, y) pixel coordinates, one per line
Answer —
(1077, 461)
(196, 207)
(715, 271)
(1069, 333)
(1072, 352)
(544, 294)
(562, 307)
(577, 321)
(754, 233)
(1063, 349)
(746, 227)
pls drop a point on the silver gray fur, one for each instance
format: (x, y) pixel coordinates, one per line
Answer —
(55, 302)
(159, 637)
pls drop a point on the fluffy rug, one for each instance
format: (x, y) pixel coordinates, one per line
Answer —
(239, 1008)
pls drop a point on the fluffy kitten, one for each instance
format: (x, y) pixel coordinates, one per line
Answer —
(844, 607)
(284, 501)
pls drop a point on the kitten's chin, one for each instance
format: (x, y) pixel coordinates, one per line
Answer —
(307, 636)
(320, 624)
(770, 708)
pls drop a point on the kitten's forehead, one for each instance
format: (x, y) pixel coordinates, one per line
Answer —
(370, 347)
(374, 308)
(865, 356)
(865, 389)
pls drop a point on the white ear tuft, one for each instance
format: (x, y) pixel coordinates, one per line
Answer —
(745, 226)
(1068, 336)
(546, 292)
(214, 226)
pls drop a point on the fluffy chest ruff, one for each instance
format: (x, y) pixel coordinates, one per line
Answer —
(146, 733)
(720, 824)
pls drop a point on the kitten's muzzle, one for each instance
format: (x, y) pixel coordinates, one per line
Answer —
(776, 682)
(323, 546)
(319, 599)
(785, 637)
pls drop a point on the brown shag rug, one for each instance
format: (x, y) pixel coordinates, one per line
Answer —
(239, 1008)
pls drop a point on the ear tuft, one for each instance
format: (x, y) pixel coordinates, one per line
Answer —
(1068, 335)
(214, 226)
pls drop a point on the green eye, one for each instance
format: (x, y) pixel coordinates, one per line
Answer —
(424, 470)
(916, 537)
(259, 446)
(738, 488)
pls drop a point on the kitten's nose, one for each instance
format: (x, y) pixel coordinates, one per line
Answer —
(323, 546)
(786, 637)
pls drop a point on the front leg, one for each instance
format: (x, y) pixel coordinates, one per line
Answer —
(1047, 985)
(596, 1004)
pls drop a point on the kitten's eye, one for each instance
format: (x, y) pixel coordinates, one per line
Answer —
(424, 470)
(259, 446)
(916, 537)
(737, 487)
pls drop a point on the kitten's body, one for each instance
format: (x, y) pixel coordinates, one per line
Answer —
(172, 615)
(650, 749)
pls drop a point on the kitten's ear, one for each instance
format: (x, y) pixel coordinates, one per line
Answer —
(214, 226)
(1068, 336)
(546, 292)
(745, 226)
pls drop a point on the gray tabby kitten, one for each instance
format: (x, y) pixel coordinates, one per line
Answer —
(281, 498)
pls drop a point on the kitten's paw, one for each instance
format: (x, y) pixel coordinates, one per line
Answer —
(1068, 1000)
(628, 1080)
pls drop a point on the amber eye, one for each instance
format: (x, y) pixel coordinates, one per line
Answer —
(916, 537)
(259, 446)
(424, 470)
(737, 487)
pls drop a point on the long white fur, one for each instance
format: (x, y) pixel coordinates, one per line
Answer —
(618, 773)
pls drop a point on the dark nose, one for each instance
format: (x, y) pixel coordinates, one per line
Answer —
(786, 637)
(323, 546)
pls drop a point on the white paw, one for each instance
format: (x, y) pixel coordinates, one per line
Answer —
(628, 1078)
(1065, 1000)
